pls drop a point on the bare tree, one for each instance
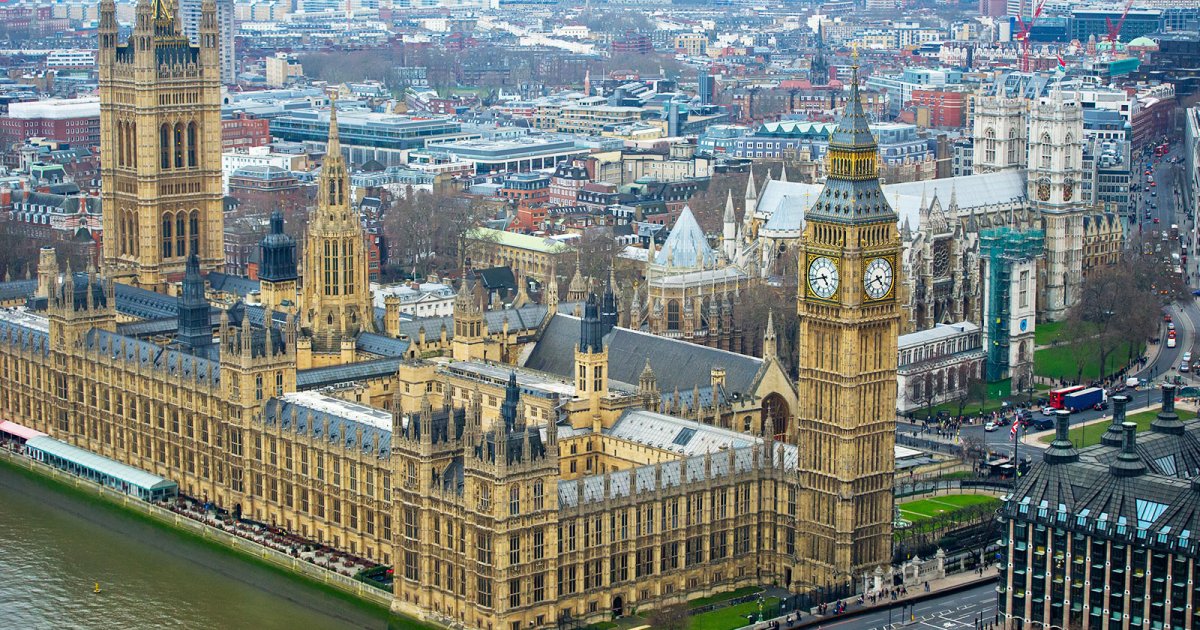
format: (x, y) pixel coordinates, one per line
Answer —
(424, 230)
(673, 617)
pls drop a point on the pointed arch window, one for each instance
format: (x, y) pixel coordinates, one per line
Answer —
(180, 234)
(164, 146)
(131, 130)
(989, 145)
(673, 315)
(191, 144)
(179, 145)
(194, 232)
(1046, 150)
(166, 236)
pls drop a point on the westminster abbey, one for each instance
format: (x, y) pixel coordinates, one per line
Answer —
(589, 472)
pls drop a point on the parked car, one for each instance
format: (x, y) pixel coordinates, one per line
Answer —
(1183, 367)
(1187, 357)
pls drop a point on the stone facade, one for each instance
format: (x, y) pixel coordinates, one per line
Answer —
(938, 365)
(160, 123)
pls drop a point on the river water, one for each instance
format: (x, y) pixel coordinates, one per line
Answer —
(55, 546)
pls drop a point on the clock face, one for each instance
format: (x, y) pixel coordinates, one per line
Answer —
(1043, 191)
(877, 278)
(1068, 190)
(823, 277)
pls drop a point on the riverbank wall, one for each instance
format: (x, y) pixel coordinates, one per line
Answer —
(356, 589)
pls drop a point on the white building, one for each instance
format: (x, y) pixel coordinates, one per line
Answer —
(259, 156)
(67, 59)
(418, 301)
(938, 365)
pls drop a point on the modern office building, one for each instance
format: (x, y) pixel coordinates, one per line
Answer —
(1104, 536)
(366, 136)
(189, 11)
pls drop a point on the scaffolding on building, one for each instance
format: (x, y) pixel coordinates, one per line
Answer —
(1003, 247)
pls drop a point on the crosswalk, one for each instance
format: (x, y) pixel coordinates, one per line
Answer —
(960, 617)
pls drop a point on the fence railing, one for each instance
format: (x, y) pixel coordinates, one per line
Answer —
(916, 488)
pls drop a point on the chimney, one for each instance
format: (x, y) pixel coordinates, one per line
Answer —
(1167, 420)
(1128, 462)
(1115, 435)
(1061, 450)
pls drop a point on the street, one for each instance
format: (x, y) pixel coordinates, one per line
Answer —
(1168, 209)
(949, 612)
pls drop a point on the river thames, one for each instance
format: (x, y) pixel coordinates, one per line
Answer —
(55, 546)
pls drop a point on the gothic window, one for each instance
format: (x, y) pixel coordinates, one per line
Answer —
(194, 231)
(191, 144)
(348, 274)
(164, 146)
(179, 145)
(121, 140)
(131, 129)
(673, 315)
(1024, 289)
(1046, 149)
(180, 235)
(166, 236)
(1012, 146)
(989, 145)
(1070, 140)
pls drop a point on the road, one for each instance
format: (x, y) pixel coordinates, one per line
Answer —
(1167, 207)
(949, 612)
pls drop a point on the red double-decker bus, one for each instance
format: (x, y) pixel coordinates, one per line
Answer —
(1056, 395)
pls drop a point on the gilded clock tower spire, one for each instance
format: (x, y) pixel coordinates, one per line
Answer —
(849, 324)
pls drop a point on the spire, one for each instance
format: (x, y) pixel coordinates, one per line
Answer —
(770, 345)
(591, 335)
(783, 173)
(751, 190)
(334, 144)
(508, 409)
(730, 217)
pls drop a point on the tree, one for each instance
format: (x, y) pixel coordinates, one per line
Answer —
(1118, 306)
(424, 230)
(673, 617)
(760, 301)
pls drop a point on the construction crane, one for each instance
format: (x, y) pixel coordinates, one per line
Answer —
(1022, 36)
(1114, 31)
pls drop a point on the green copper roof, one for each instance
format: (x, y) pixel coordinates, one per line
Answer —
(519, 241)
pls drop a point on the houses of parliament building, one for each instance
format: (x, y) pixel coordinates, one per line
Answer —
(528, 467)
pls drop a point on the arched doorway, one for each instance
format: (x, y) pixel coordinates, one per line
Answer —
(775, 414)
(618, 606)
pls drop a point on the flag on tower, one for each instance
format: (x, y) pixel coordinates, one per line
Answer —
(1061, 70)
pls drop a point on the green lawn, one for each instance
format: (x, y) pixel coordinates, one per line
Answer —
(924, 509)
(1060, 362)
(720, 597)
(730, 617)
(1087, 436)
(1046, 333)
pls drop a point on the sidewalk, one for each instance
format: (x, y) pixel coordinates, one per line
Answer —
(937, 588)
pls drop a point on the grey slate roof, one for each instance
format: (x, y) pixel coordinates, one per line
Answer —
(324, 376)
(311, 421)
(677, 364)
(169, 360)
(24, 337)
(382, 345)
(232, 284)
(17, 290)
(528, 317)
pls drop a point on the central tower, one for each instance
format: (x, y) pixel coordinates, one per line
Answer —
(337, 293)
(160, 143)
(849, 324)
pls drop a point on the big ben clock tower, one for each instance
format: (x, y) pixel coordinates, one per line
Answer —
(849, 323)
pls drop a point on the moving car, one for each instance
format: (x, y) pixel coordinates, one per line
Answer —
(989, 427)
(1183, 367)
(1170, 325)
(1187, 357)
(1048, 410)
